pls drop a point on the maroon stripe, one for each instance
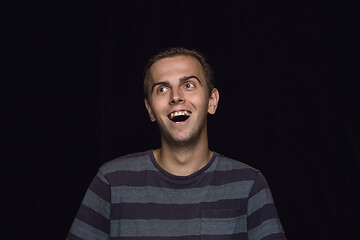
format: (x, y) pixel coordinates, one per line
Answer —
(277, 236)
(266, 212)
(259, 184)
(158, 238)
(237, 236)
(100, 188)
(227, 213)
(72, 237)
(151, 178)
(94, 219)
(175, 211)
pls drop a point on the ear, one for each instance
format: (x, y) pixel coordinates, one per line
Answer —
(149, 109)
(213, 101)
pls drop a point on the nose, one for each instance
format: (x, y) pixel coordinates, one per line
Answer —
(176, 97)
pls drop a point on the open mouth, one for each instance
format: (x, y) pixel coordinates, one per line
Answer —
(179, 117)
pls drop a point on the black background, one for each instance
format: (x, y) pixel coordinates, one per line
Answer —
(288, 76)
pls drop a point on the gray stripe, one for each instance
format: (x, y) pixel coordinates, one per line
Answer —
(85, 231)
(227, 164)
(236, 190)
(141, 163)
(97, 204)
(259, 200)
(177, 228)
(268, 227)
(154, 227)
(223, 226)
(102, 178)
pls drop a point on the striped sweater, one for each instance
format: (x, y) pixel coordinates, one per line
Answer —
(133, 198)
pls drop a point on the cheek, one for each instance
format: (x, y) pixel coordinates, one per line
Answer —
(200, 101)
(158, 107)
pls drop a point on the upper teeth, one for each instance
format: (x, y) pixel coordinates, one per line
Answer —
(179, 113)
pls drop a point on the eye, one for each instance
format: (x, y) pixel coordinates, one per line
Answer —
(162, 89)
(189, 85)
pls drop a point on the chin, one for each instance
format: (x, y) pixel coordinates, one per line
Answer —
(184, 140)
(179, 140)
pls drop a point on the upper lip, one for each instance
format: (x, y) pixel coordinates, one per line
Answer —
(179, 112)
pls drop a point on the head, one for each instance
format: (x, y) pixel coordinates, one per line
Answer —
(180, 51)
(179, 90)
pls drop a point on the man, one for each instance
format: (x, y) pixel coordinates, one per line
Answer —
(182, 190)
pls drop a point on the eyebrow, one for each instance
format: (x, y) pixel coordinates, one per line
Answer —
(185, 78)
(181, 80)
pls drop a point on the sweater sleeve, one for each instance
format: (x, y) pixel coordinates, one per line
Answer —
(93, 217)
(263, 221)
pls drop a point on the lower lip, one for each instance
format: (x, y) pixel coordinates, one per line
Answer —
(180, 123)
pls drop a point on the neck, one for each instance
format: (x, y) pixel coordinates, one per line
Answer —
(183, 160)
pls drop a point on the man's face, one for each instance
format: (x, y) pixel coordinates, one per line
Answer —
(179, 99)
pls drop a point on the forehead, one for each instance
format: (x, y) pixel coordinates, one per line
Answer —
(176, 67)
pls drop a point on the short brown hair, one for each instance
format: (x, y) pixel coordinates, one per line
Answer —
(180, 51)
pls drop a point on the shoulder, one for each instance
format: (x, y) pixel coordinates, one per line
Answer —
(240, 171)
(131, 162)
(233, 169)
(227, 164)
